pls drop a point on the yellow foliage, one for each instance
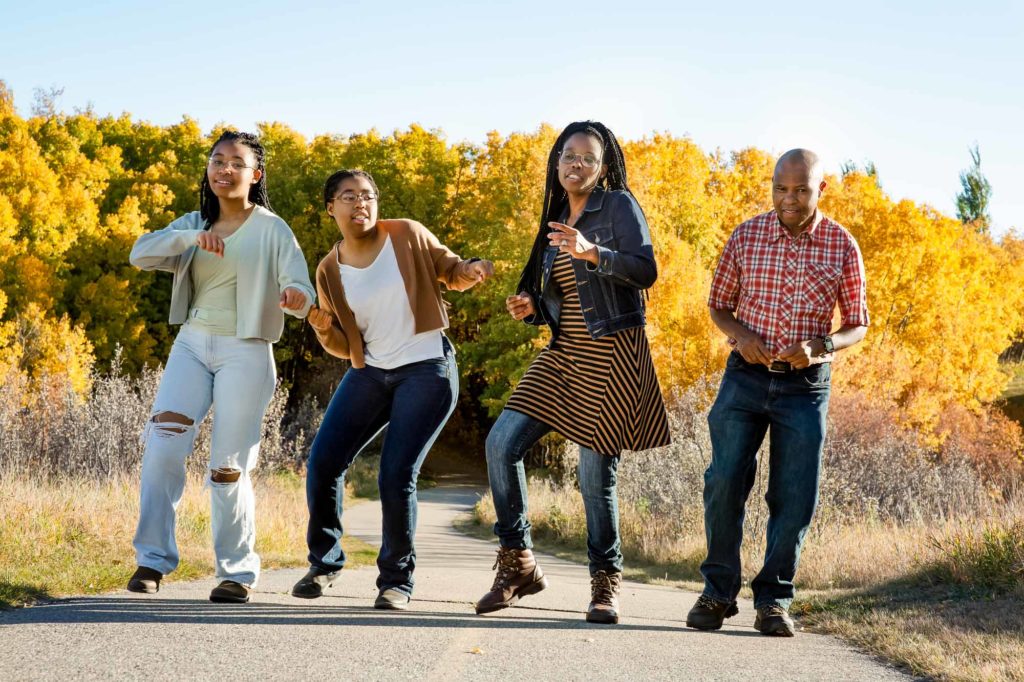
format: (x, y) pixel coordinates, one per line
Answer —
(685, 344)
(40, 346)
(77, 190)
(944, 300)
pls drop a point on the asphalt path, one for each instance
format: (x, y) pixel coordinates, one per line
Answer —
(179, 634)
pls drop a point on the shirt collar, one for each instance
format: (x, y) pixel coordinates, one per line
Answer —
(779, 230)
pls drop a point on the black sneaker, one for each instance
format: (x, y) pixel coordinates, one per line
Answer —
(230, 592)
(313, 584)
(709, 614)
(145, 580)
(774, 620)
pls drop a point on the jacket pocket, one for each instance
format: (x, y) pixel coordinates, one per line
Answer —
(602, 236)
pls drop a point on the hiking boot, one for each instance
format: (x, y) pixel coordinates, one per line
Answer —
(313, 584)
(773, 619)
(145, 580)
(604, 600)
(518, 576)
(709, 614)
(230, 592)
(391, 600)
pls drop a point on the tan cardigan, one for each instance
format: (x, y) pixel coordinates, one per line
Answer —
(423, 262)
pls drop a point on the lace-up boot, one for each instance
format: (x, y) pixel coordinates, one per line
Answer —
(518, 576)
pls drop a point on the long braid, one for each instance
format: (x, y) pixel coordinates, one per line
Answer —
(556, 198)
(209, 205)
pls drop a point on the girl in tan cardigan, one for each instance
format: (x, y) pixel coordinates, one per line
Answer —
(381, 309)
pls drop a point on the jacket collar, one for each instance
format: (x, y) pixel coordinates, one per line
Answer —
(595, 202)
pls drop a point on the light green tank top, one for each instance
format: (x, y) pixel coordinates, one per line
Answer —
(215, 283)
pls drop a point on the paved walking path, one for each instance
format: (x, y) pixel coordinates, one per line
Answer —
(178, 634)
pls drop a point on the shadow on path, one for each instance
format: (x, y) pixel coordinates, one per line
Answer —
(199, 612)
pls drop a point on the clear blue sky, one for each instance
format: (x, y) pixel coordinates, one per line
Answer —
(908, 85)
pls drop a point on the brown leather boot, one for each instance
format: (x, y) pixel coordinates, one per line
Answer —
(604, 600)
(518, 576)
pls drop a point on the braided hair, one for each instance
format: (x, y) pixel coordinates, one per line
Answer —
(556, 198)
(209, 205)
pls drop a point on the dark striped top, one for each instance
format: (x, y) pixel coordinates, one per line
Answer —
(600, 393)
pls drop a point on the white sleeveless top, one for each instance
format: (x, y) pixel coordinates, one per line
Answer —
(376, 294)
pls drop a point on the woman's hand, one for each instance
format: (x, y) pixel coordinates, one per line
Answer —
(520, 306)
(207, 241)
(481, 270)
(292, 299)
(320, 320)
(569, 240)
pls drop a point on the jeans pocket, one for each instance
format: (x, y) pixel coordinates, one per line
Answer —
(818, 376)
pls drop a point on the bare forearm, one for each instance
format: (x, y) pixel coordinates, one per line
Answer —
(848, 335)
(726, 321)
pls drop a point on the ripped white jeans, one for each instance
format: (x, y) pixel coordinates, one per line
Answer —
(237, 376)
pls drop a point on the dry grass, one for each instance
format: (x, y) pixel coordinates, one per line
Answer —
(74, 537)
(943, 598)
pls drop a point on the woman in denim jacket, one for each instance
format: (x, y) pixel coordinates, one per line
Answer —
(595, 382)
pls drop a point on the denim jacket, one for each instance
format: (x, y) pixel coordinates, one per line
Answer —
(610, 292)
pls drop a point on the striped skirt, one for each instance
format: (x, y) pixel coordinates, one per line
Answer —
(599, 393)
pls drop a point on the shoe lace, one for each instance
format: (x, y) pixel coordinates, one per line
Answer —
(507, 565)
(772, 610)
(604, 586)
(706, 602)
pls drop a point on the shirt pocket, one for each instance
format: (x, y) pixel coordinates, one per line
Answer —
(821, 285)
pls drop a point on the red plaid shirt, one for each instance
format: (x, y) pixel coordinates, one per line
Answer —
(785, 289)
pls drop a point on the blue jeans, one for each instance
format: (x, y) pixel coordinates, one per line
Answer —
(752, 401)
(507, 443)
(237, 377)
(414, 401)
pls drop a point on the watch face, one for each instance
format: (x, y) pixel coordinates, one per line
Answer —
(829, 346)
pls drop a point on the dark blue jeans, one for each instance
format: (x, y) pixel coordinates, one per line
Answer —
(509, 439)
(414, 401)
(751, 402)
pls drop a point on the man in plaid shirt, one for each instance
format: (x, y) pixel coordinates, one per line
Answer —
(774, 294)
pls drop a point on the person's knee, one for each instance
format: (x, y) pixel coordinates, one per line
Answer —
(724, 478)
(396, 485)
(225, 475)
(596, 474)
(500, 448)
(170, 424)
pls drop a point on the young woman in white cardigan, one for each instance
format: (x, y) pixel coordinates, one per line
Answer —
(237, 268)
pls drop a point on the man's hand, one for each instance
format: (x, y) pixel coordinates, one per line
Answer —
(753, 350)
(320, 320)
(292, 299)
(520, 306)
(803, 354)
(207, 241)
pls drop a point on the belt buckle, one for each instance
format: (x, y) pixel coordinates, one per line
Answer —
(780, 367)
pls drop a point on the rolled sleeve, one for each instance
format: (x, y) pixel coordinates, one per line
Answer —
(725, 286)
(853, 292)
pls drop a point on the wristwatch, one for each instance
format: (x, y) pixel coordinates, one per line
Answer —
(830, 347)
